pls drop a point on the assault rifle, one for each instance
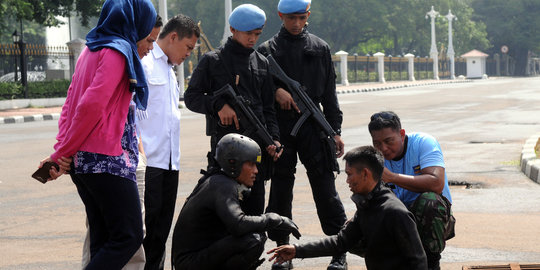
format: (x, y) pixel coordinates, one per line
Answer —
(246, 117)
(307, 109)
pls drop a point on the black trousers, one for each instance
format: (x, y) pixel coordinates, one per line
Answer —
(114, 218)
(228, 253)
(309, 148)
(161, 187)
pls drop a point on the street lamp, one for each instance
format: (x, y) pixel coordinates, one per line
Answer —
(433, 50)
(450, 51)
(15, 37)
(20, 42)
(355, 72)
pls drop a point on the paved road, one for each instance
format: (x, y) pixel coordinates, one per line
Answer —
(481, 127)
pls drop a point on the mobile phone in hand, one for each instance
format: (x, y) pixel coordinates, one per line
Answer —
(42, 174)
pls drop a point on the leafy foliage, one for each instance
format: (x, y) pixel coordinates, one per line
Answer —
(516, 25)
(47, 89)
(395, 27)
(45, 13)
(10, 90)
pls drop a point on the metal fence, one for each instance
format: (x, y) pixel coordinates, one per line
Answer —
(364, 68)
(42, 62)
(56, 62)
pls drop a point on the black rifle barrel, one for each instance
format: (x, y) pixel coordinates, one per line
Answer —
(251, 124)
(302, 100)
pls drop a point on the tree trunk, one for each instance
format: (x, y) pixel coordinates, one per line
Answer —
(396, 45)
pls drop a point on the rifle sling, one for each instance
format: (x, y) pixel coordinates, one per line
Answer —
(222, 60)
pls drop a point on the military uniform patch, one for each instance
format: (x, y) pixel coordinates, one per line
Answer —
(416, 169)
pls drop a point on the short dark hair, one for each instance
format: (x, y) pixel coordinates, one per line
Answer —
(159, 22)
(384, 119)
(366, 157)
(183, 25)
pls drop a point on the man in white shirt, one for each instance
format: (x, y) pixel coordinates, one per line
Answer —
(160, 133)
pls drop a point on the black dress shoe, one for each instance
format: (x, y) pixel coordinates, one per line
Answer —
(284, 266)
(339, 262)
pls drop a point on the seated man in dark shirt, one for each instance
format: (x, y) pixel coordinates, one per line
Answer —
(382, 230)
(212, 231)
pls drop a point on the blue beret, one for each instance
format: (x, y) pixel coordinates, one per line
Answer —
(294, 6)
(247, 17)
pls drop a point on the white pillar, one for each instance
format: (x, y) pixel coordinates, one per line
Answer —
(179, 68)
(163, 10)
(410, 58)
(451, 52)
(75, 47)
(497, 64)
(433, 50)
(506, 64)
(343, 67)
(227, 30)
(380, 66)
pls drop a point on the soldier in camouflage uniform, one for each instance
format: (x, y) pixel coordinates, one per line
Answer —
(414, 168)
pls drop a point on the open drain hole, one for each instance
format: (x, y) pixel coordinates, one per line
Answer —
(503, 141)
(464, 184)
(486, 142)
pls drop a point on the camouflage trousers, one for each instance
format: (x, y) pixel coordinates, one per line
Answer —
(434, 220)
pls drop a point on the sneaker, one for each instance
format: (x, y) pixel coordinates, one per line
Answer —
(284, 266)
(339, 262)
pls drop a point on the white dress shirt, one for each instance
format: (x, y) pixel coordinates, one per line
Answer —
(160, 131)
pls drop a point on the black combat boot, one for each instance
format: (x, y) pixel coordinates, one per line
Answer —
(285, 265)
(339, 262)
(256, 264)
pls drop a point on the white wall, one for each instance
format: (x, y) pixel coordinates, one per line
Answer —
(58, 36)
(476, 67)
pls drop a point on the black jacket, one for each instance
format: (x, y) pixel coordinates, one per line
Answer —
(212, 212)
(383, 227)
(255, 85)
(306, 59)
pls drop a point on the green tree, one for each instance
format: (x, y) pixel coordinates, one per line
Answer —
(211, 13)
(515, 24)
(33, 32)
(44, 13)
(403, 28)
(363, 26)
(347, 23)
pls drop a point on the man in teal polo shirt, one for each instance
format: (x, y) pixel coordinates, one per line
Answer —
(414, 168)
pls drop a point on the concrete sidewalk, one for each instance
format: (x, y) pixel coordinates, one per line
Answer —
(21, 115)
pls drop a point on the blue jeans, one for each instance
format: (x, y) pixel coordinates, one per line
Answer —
(114, 217)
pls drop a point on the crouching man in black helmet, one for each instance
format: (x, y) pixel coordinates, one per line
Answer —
(212, 231)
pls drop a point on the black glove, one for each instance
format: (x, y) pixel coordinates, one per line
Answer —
(282, 223)
(290, 226)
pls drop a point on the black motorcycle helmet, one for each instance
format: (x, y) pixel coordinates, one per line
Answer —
(235, 149)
